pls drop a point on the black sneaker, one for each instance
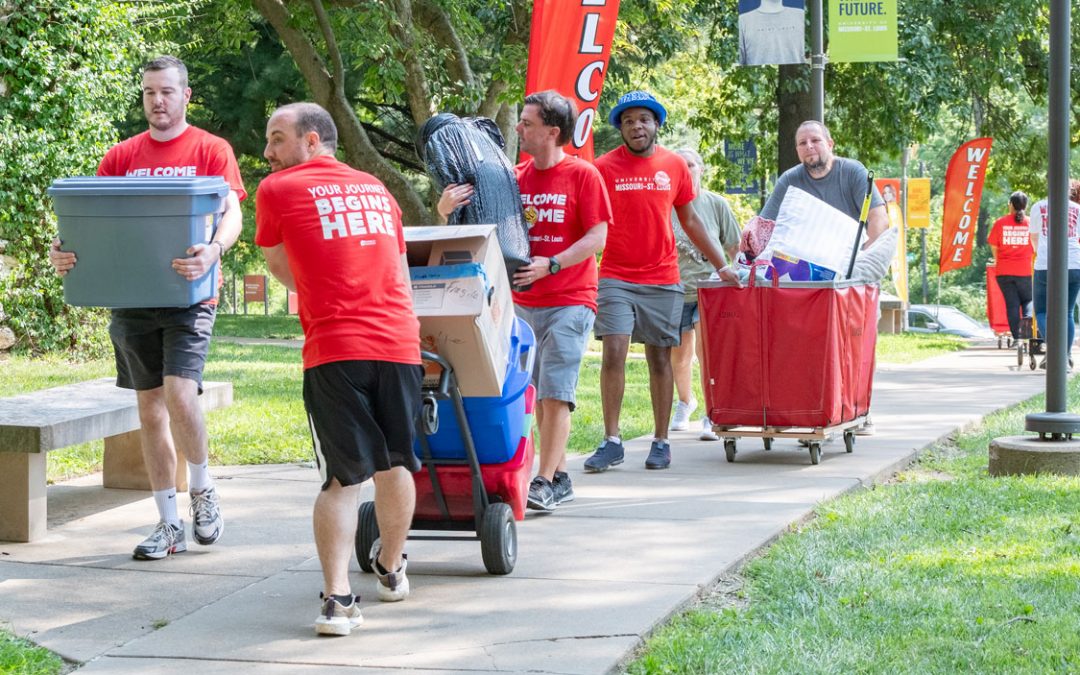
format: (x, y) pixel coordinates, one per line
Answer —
(606, 456)
(541, 496)
(659, 456)
(563, 489)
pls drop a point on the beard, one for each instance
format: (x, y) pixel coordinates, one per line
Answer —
(816, 165)
(641, 146)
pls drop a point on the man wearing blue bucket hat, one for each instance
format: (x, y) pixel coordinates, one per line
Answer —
(640, 296)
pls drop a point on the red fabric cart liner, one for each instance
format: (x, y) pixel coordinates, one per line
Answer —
(788, 355)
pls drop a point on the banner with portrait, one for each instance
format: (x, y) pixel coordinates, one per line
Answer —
(891, 193)
(772, 32)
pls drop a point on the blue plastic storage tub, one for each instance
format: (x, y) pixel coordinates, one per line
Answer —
(497, 422)
(126, 231)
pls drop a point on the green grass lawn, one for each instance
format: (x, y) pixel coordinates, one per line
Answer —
(943, 570)
(278, 326)
(24, 658)
(912, 347)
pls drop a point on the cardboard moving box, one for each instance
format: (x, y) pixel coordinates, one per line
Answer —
(462, 297)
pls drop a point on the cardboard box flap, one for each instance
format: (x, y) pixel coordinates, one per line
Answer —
(449, 245)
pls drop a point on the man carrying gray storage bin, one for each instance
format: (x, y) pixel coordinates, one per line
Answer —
(160, 327)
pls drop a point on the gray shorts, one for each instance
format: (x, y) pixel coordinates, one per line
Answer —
(690, 316)
(152, 343)
(647, 313)
(562, 335)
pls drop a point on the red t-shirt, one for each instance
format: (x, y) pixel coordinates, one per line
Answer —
(641, 242)
(1013, 242)
(344, 240)
(193, 153)
(562, 204)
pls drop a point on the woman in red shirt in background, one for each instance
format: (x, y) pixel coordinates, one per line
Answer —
(1010, 244)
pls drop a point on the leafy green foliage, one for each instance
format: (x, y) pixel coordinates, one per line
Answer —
(66, 71)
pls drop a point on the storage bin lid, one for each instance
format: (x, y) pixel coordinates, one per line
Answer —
(116, 186)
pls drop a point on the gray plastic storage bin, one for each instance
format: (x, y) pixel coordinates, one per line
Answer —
(126, 231)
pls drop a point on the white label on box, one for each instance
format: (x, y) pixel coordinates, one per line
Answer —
(428, 295)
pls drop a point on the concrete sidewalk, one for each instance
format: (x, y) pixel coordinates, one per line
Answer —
(592, 580)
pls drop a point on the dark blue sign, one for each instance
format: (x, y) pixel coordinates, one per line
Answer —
(743, 155)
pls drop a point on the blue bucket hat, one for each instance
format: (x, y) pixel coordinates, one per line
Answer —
(637, 99)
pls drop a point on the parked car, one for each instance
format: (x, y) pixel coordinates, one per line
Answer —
(945, 319)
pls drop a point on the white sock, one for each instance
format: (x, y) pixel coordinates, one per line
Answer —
(199, 477)
(614, 439)
(166, 506)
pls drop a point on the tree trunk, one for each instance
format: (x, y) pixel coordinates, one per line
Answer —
(507, 119)
(795, 107)
(330, 94)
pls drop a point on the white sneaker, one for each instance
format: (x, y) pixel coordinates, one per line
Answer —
(707, 433)
(336, 618)
(389, 586)
(680, 421)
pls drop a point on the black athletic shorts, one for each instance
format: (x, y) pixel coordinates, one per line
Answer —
(152, 343)
(362, 416)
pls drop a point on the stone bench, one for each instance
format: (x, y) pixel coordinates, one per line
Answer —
(33, 424)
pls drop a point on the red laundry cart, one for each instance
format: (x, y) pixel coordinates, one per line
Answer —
(996, 313)
(788, 360)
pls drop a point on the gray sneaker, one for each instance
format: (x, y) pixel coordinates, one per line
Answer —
(562, 487)
(164, 540)
(336, 618)
(206, 521)
(541, 495)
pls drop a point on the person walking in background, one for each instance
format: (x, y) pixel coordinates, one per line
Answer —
(334, 235)
(161, 352)
(719, 221)
(640, 297)
(1040, 239)
(1010, 244)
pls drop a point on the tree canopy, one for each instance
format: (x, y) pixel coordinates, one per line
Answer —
(68, 89)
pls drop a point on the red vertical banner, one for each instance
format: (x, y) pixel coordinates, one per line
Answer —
(963, 190)
(569, 46)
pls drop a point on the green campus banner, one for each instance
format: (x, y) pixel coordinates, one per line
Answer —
(862, 30)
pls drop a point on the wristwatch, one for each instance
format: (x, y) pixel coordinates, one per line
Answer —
(553, 265)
